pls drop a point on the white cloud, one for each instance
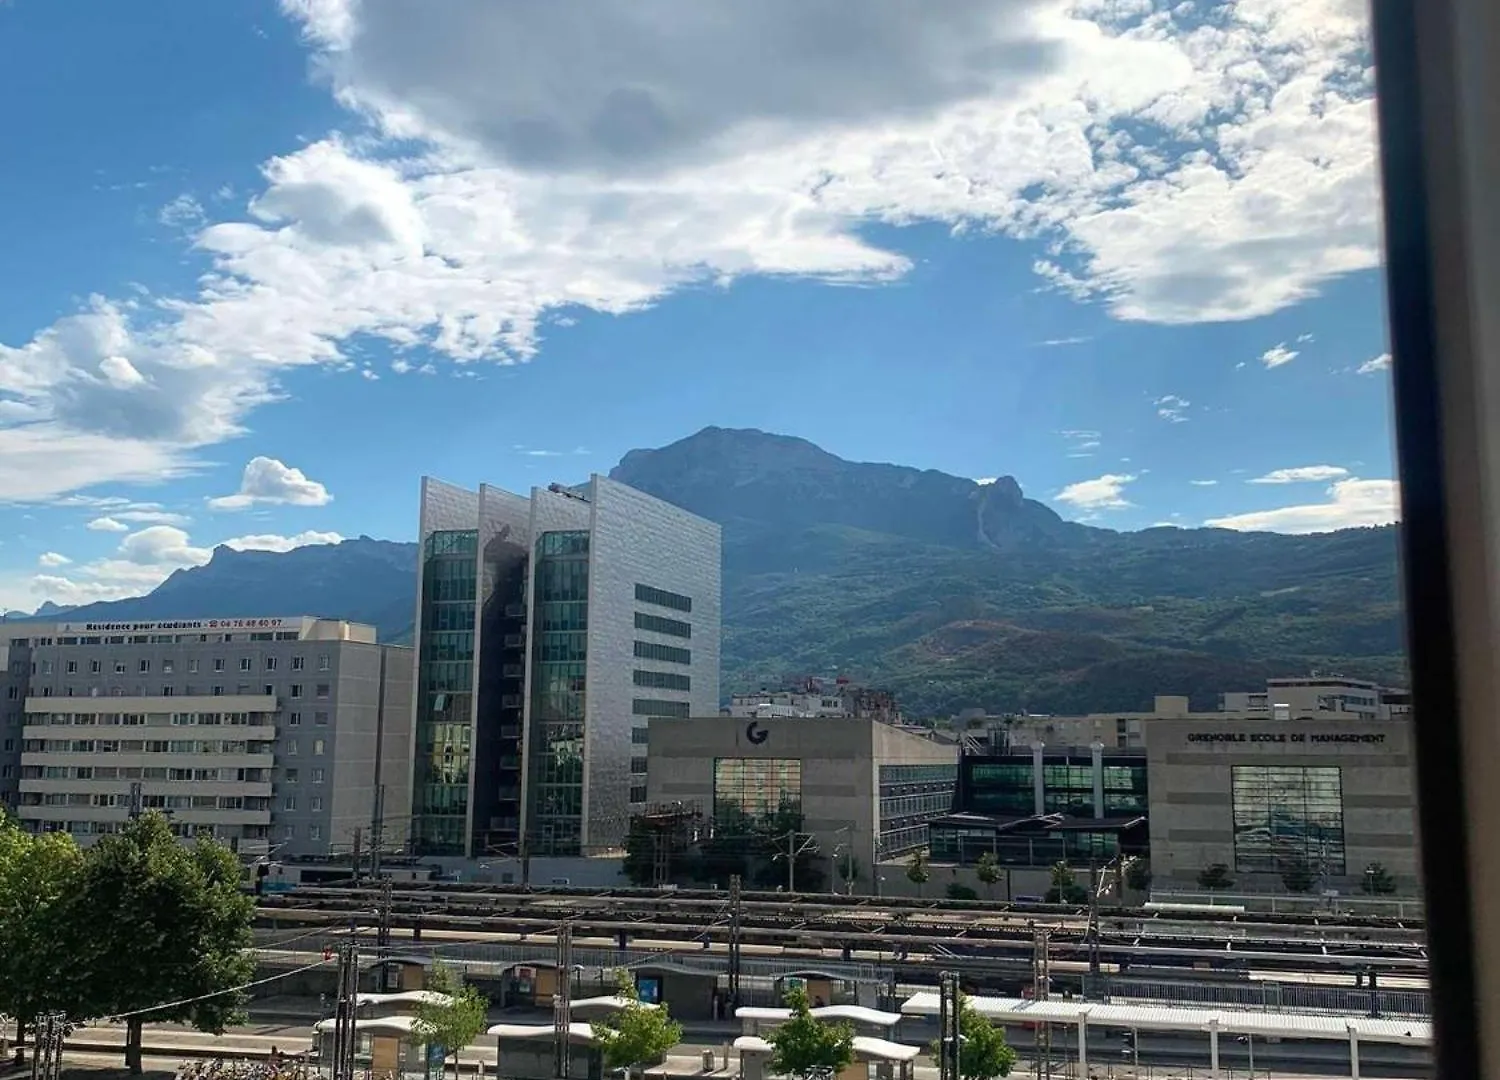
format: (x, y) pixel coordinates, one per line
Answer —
(268, 481)
(183, 212)
(274, 542)
(1375, 364)
(52, 559)
(1306, 474)
(107, 524)
(1203, 483)
(1055, 342)
(145, 559)
(1351, 503)
(1175, 168)
(1106, 492)
(1277, 355)
(1172, 408)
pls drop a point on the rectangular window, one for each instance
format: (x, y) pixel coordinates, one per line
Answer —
(662, 680)
(317, 776)
(219, 664)
(244, 663)
(320, 718)
(323, 689)
(1288, 816)
(292, 748)
(270, 663)
(268, 690)
(192, 667)
(119, 667)
(324, 662)
(659, 625)
(290, 803)
(661, 598)
(296, 690)
(94, 667)
(755, 787)
(218, 691)
(315, 804)
(145, 666)
(318, 747)
(315, 832)
(637, 793)
(296, 663)
(72, 667)
(639, 736)
(166, 667)
(655, 707)
(291, 776)
(294, 719)
(651, 650)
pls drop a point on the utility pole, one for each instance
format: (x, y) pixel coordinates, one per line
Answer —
(949, 1012)
(377, 831)
(346, 1037)
(793, 849)
(735, 915)
(1041, 989)
(1091, 990)
(383, 934)
(562, 1002)
(46, 1055)
(356, 856)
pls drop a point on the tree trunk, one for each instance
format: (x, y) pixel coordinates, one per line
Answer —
(133, 1026)
(21, 1028)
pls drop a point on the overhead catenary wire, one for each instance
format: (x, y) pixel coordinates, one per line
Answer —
(113, 1017)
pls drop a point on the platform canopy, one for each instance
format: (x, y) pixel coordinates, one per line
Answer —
(865, 1048)
(396, 1027)
(856, 1013)
(405, 997)
(1286, 1025)
(609, 1003)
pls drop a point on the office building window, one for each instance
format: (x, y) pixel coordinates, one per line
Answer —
(660, 625)
(661, 598)
(296, 663)
(639, 736)
(656, 707)
(323, 689)
(663, 680)
(638, 793)
(651, 650)
(755, 787)
(1285, 816)
(270, 663)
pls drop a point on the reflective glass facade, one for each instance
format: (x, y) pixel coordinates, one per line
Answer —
(444, 692)
(1288, 814)
(756, 786)
(558, 691)
(910, 797)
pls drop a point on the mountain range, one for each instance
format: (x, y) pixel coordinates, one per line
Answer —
(950, 592)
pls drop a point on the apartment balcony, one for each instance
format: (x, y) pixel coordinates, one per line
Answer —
(63, 786)
(259, 732)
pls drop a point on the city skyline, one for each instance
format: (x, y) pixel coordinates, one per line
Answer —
(286, 259)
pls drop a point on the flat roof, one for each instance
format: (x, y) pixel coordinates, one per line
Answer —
(1177, 1018)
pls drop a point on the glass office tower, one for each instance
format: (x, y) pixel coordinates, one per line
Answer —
(550, 629)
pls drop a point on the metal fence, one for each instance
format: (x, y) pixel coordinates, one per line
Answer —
(1274, 997)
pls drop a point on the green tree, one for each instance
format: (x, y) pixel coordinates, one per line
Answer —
(1215, 877)
(638, 1034)
(983, 1053)
(805, 1046)
(919, 870)
(1065, 888)
(987, 869)
(1297, 876)
(159, 932)
(640, 853)
(38, 876)
(957, 890)
(1138, 876)
(456, 1022)
(1377, 880)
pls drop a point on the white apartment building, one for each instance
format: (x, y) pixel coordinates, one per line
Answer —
(276, 733)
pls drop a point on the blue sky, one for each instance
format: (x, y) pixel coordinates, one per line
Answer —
(271, 263)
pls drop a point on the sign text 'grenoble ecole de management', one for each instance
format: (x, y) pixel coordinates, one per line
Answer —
(1286, 737)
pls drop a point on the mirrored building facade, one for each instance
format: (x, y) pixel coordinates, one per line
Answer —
(550, 629)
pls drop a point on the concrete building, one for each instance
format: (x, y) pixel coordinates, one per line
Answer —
(817, 697)
(860, 785)
(285, 733)
(1308, 698)
(550, 630)
(1332, 794)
